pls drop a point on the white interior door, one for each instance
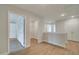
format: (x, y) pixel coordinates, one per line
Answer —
(20, 30)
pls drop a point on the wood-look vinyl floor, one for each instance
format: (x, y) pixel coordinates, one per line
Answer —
(72, 48)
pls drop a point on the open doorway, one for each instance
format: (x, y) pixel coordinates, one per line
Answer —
(16, 30)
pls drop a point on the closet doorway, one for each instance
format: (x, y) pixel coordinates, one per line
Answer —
(16, 32)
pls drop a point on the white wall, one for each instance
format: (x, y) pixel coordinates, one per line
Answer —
(70, 26)
(3, 29)
(60, 26)
(36, 28)
(40, 30)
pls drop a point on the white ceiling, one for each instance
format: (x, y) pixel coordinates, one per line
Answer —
(52, 11)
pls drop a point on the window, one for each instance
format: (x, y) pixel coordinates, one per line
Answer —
(49, 28)
(12, 24)
(12, 33)
(54, 28)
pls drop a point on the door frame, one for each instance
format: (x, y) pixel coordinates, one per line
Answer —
(16, 29)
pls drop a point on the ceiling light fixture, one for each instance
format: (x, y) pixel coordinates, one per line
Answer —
(62, 14)
(72, 16)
